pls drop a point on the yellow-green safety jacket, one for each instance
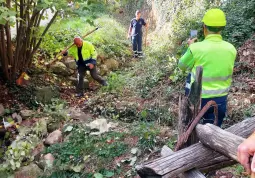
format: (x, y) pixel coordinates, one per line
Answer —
(217, 58)
(88, 51)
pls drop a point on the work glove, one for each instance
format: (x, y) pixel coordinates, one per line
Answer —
(64, 52)
(91, 66)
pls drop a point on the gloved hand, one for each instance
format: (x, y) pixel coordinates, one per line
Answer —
(91, 66)
(245, 151)
(64, 52)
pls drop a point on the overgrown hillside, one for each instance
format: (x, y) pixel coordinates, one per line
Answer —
(47, 132)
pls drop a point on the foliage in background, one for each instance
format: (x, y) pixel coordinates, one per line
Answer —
(109, 39)
(240, 21)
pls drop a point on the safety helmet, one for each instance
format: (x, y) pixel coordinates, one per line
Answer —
(214, 18)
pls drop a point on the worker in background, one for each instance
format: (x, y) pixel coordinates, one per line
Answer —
(85, 56)
(217, 58)
(245, 151)
(136, 34)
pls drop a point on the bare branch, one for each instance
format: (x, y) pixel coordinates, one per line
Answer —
(44, 32)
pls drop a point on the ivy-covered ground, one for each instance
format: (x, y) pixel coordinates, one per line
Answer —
(50, 133)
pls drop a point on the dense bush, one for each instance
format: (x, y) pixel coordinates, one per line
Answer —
(240, 21)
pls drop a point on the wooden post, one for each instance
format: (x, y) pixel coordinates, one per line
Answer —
(195, 156)
(186, 116)
(189, 107)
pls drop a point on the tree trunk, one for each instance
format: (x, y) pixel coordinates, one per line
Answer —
(16, 58)
(195, 156)
(222, 141)
(194, 173)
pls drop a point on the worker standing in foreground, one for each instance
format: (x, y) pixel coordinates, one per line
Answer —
(85, 56)
(245, 151)
(136, 34)
(217, 58)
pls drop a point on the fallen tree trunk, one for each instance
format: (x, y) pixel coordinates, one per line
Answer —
(194, 173)
(222, 141)
(195, 156)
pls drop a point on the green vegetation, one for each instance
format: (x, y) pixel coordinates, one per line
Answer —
(240, 18)
(109, 39)
(141, 96)
(82, 148)
(147, 133)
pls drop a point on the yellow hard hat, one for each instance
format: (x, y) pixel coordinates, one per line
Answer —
(215, 18)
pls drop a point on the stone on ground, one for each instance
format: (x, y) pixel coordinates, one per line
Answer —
(26, 113)
(54, 137)
(30, 171)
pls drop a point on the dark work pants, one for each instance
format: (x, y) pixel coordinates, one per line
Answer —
(81, 73)
(222, 108)
(209, 115)
(137, 44)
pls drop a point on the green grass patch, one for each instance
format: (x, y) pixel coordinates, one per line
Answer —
(82, 148)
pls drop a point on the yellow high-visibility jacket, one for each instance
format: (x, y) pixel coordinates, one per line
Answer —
(217, 57)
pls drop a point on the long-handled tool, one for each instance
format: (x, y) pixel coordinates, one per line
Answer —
(59, 54)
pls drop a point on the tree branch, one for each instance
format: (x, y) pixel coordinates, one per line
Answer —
(44, 32)
(9, 44)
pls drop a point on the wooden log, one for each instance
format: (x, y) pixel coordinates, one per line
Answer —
(222, 141)
(189, 107)
(196, 90)
(195, 156)
(186, 116)
(194, 173)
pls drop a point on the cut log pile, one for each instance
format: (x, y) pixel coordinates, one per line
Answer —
(207, 148)
(201, 156)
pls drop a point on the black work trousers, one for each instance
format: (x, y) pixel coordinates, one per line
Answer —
(81, 74)
(137, 44)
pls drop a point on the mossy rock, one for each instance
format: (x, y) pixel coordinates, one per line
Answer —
(45, 94)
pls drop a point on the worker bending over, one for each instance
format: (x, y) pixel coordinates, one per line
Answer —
(85, 56)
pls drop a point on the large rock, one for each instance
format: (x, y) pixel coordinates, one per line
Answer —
(30, 171)
(70, 64)
(37, 151)
(45, 94)
(54, 125)
(103, 70)
(99, 126)
(17, 118)
(54, 137)
(1, 109)
(74, 82)
(111, 64)
(26, 113)
(78, 114)
(46, 161)
(60, 69)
